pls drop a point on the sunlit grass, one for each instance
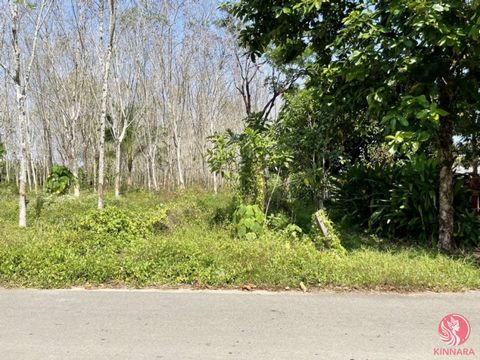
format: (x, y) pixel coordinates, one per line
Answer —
(196, 247)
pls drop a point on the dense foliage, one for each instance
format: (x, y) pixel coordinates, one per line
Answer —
(404, 72)
(400, 201)
(60, 180)
(248, 221)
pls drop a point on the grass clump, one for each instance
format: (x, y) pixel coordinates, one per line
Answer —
(146, 240)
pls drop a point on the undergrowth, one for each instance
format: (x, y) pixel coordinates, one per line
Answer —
(188, 238)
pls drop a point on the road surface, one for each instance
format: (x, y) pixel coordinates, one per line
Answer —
(122, 324)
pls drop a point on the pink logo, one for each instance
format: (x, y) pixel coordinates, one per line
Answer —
(454, 329)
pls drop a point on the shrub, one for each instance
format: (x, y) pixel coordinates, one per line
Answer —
(401, 201)
(60, 180)
(114, 222)
(278, 221)
(293, 231)
(154, 220)
(248, 221)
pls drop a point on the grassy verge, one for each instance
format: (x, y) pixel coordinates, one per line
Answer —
(68, 243)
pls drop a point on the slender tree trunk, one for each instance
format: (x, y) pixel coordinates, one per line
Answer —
(29, 174)
(215, 183)
(22, 178)
(118, 165)
(48, 144)
(446, 210)
(7, 167)
(74, 167)
(34, 175)
(103, 115)
(154, 174)
(176, 141)
(129, 169)
(95, 172)
(22, 120)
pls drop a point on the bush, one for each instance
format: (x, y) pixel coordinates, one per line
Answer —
(401, 201)
(294, 232)
(278, 221)
(60, 180)
(114, 222)
(248, 221)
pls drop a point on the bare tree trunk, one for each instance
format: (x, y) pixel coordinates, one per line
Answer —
(103, 115)
(22, 120)
(21, 97)
(22, 178)
(34, 175)
(129, 172)
(215, 183)
(29, 175)
(154, 175)
(176, 141)
(118, 165)
(74, 167)
(7, 170)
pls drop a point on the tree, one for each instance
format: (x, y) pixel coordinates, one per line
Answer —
(106, 62)
(20, 74)
(411, 64)
(123, 113)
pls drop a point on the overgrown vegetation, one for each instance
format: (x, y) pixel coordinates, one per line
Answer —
(397, 74)
(365, 174)
(399, 200)
(186, 239)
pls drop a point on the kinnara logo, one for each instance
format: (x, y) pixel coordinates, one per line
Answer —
(454, 330)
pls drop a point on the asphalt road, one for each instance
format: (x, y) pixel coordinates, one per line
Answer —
(121, 324)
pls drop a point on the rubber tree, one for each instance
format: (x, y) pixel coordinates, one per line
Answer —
(106, 64)
(20, 73)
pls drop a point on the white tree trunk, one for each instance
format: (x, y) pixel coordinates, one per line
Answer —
(22, 120)
(103, 115)
(118, 168)
(21, 86)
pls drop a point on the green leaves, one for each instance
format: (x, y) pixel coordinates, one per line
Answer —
(3, 151)
(248, 221)
(60, 180)
(440, 7)
(401, 201)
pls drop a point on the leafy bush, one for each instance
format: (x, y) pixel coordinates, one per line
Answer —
(401, 201)
(278, 221)
(113, 222)
(248, 221)
(294, 232)
(60, 180)
(116, 222)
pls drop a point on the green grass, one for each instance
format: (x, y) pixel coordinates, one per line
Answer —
(69, 244)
